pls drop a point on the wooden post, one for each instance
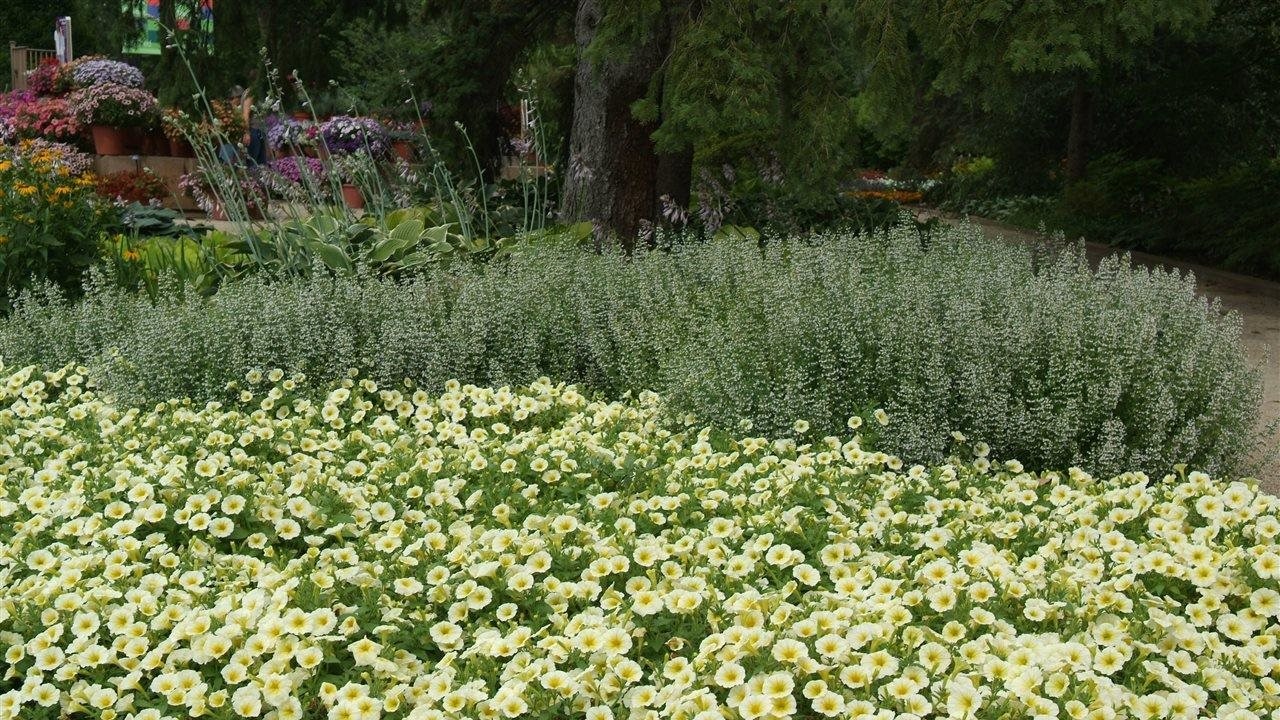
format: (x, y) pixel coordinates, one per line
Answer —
(17, 67)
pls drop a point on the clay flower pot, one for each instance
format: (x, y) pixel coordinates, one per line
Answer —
(110, 140)
(352, 196)
(179, 147)
(153, 143)
(403, 150)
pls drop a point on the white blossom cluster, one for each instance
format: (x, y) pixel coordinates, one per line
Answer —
(368, 552)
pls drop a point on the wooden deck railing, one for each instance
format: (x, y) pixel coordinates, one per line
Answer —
(23, 60)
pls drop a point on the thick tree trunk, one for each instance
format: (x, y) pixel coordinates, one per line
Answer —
(613, 168)
(1081, 124)
(674, 178)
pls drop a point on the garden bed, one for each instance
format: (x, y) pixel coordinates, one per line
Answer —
(361, 551)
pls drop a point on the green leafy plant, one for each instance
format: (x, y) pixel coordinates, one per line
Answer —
(1031, 353)
(50, 221)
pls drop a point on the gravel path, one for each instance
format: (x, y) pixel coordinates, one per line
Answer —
(1257, 302)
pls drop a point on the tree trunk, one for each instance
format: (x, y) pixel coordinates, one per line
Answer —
(674, 178)
(1081, 122)
(613, 168)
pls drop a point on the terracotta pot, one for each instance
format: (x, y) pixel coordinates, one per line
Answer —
(217, 212)
(403, 150)
(134, 139)
(179, 147)
(109, 140)
(154, 143)
(300, 115)
(352, 196)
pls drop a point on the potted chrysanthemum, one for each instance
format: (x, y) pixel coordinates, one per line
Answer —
(111, 110)
(100, 71)
(344, 135)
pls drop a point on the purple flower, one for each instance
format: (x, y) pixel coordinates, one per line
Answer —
(99, 72)
(63, 155)
(287, 132)
(295, 168)
(114, 105)
(346, 134)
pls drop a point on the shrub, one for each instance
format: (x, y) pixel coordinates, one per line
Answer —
(382, 552)
(1039, 357)
(1230, 217)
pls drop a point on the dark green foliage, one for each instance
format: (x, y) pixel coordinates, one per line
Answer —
(30, 23)
(1231, 218)
(1118, 200)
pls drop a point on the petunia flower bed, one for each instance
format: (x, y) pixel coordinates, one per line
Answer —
(360, 551)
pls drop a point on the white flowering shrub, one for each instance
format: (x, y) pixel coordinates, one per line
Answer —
(1053, 364)
(381, 552)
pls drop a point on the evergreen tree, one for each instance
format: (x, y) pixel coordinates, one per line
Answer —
(984, 46)
(662, 81)
(30, 23)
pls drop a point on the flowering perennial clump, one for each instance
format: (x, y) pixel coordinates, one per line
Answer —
(286, 133)
(346, 134)
(383, 552)
(114, 105)
(1032, 354)
(102, 71)
(49, 217)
